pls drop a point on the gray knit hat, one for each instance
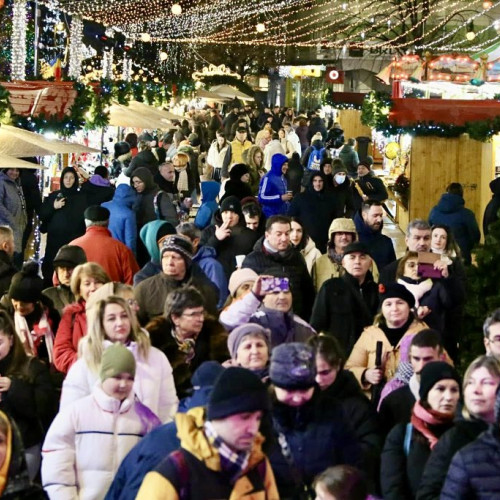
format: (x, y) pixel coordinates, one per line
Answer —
(179, 244)
(239, 333)
(293, 366)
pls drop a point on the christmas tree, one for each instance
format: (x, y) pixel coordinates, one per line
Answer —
(483, 294)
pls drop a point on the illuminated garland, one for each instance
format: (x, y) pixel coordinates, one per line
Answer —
(328, 100)
(6, 110)
(377, 106)
(18, 40)
(76, 48)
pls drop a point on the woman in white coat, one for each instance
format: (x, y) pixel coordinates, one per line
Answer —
(111, 320)
(89, 438)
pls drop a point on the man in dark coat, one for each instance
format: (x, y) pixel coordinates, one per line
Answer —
(369, 223)
(229, 236)
(491, 211)
(373, 187)
(450, 211)
(308, 205)
(177, 270)
(275, 250)
(346, 305)
(214, 125)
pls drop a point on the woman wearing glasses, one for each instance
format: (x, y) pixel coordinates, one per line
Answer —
(187, 335)
(109, 321)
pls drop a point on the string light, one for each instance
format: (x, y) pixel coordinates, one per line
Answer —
(126, 68)
(75, 48)
(176, 9)
(107, 64)
(18, 40)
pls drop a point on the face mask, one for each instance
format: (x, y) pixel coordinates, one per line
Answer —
(339, 178)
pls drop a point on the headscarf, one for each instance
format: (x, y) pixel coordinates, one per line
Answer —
(146, 176)
(74, 188)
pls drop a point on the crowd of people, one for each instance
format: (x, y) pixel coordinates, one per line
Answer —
(221, 316)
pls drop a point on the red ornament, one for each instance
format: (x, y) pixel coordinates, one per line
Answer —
(381, 288)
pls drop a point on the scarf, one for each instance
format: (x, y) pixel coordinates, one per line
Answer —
(31, 339)
(182, 181)
(232, 462)
(185, 346)
(4, 470)
(417, 288)
(422, 419)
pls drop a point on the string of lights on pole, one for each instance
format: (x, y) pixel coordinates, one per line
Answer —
(18, 40)
(76, 48)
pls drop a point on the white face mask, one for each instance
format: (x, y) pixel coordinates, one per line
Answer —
(339, 178)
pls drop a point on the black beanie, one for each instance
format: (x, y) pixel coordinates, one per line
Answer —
(232, 204)
(26, 285)
(434, 372)
(395, 290)
(237, 390)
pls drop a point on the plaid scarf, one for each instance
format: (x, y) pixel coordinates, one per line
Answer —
(232, 462)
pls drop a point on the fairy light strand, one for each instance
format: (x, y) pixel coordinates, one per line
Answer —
(18, 40)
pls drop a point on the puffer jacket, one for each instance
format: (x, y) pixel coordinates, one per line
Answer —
(364, 352)
(473, 472)
(206, 258)
(72, 327)
(88, 440)
(436, 468)
(272, 187)
(285, 327)
(97, 190)
(450, 211)
(13, 208)
(153, 383)
(256, 482)
(209, 192)
(122, 219)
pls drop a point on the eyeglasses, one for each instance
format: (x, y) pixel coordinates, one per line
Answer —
(195, 314)
(495, 340)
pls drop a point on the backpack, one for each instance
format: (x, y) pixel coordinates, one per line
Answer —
(315, 159)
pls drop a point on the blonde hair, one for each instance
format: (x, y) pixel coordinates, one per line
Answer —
(91, 346)
(484, 361)
(90, 269)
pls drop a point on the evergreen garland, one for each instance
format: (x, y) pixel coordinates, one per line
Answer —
(375, 110)
(6, 110)
(328, 100)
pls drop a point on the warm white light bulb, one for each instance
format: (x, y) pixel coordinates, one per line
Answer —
(163, 56)
(470, 35)
(145, 37)
(176, 9)
(261, 27)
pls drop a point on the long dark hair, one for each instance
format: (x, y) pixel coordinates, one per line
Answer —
(19, 360)
(305, 235)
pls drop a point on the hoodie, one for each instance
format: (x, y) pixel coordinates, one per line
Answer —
(272, 187)
(491, 210)
(206, 258)
(450, 211)
(235, 186)
(122, 220)
(209, 192)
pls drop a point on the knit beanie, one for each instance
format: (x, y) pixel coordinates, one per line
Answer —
(293, 366)
(239, 277)
(339, 169)
(96, 213)
(434, 372)
(365, 163)
(237, 390)
(116, 359)
(206, 374)
(239, 333)
(395, 290)
(232, 204)
(26, 285)
(179, 244)
(70, 256)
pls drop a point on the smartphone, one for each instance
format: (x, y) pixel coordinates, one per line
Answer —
(275, 285)
(59, 196)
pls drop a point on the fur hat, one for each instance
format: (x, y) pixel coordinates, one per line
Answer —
(237, 390)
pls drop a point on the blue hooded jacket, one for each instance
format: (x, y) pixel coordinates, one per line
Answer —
(122, 220)
(206, 258)
(272, 187)
(209, 191)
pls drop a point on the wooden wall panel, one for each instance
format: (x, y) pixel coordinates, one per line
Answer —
(436, 162)
(350, 121)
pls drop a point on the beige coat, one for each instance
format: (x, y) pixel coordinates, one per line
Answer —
(364, 352)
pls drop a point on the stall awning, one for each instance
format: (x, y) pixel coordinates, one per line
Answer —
(210, 96)
(125, 116)
(7, 161)
(230, 92)
(146, 110)
(20, 143)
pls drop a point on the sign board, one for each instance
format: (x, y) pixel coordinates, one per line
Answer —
(333, 75)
